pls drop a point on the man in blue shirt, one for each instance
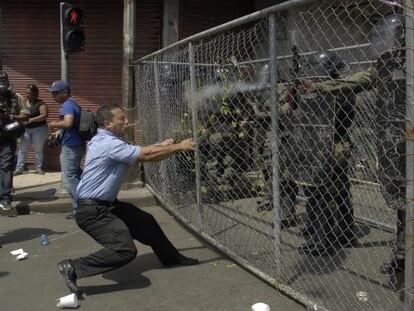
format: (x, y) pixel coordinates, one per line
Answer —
(112, 223)
(72, 144)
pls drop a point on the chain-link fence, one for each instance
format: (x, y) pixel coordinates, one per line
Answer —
(302, 116)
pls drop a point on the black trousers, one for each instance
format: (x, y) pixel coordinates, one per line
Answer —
(115, 226)
(7, 163)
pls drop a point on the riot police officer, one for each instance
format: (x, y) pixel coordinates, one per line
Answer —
(11, 111)
(330, 215)
(388, 41)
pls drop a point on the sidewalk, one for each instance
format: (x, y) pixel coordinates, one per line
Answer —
(217, 284)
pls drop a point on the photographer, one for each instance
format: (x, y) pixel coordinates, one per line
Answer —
(11, 110)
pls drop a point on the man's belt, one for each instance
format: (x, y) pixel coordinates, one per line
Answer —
(94, 202)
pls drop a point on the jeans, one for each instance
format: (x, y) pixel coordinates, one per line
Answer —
(70, 159)
(7, 157)
(36, 136)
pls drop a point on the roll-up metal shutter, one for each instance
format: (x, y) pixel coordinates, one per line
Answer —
(31, 51)
(198, 15)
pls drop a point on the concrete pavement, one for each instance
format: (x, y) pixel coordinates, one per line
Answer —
(217, 284)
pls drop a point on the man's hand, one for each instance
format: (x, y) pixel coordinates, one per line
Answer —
(55, 134)
(307, 86)
(187, 145)
(52, 125)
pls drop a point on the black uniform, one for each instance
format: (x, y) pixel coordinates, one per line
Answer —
(10, 103)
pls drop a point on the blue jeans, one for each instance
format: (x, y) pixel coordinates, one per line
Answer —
(70, 160)
(36, 136)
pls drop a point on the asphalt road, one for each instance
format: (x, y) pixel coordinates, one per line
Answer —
(217, 284)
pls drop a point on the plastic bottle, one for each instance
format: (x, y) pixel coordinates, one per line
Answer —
(44, 239)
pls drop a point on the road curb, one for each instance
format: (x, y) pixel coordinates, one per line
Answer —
(26, 203)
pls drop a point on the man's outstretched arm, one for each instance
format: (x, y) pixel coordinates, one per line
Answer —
(158, 152)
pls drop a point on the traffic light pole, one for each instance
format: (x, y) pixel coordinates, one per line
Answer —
(64, 57)
(64, 75)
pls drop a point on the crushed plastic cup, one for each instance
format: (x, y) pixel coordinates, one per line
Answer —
(22, 256)
(17, 252)
(362, 296)
(260, 306)
(69, 301)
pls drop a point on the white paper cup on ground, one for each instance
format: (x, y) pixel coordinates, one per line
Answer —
(17, 252)
(260, 306)
(69, 301)
(22, 256)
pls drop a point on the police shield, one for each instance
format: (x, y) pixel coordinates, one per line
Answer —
(310, 139)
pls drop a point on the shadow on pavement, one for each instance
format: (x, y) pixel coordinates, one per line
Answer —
(25, 234)
(126, 277)
(42, 195)
(3, 274)
(131, 276)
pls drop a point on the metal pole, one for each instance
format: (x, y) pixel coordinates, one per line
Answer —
(160, 128)
(64, 57)
(194, 125)
(128, 59)
(409, 234)
(1, 43)
(275, 143)
(64, 75)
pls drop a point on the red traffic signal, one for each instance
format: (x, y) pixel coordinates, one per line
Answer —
(73, 32)
(74, 16)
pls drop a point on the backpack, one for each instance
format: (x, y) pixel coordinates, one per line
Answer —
(88, 126)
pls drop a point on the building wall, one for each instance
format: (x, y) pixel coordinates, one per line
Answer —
(31, 51)
(198, 15)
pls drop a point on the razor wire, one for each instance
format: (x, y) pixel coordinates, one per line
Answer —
(299, 118)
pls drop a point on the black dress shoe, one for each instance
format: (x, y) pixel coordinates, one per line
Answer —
(317, 249)
(306, 231)
(394, 265)
(186, 261)
(264, 206)
(68, 272)
(344, 238)
(288, 222)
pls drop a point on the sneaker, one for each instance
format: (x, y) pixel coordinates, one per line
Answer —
(69, 275)
(18, 172)
(39, 171)
(5, 206)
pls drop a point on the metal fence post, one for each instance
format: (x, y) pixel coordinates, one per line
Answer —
(409, 245)
(160, 128)
(275, 141)
(194, 125)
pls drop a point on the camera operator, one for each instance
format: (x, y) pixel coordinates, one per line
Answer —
(11, 112)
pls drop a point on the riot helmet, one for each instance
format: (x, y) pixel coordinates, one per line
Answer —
(326, 63)
(4, 83)
(13, 130)
(387, 33)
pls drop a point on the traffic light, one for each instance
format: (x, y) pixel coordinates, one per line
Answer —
(73, 28)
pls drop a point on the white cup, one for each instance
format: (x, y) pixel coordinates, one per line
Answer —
(69, 301)
(260, 306)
